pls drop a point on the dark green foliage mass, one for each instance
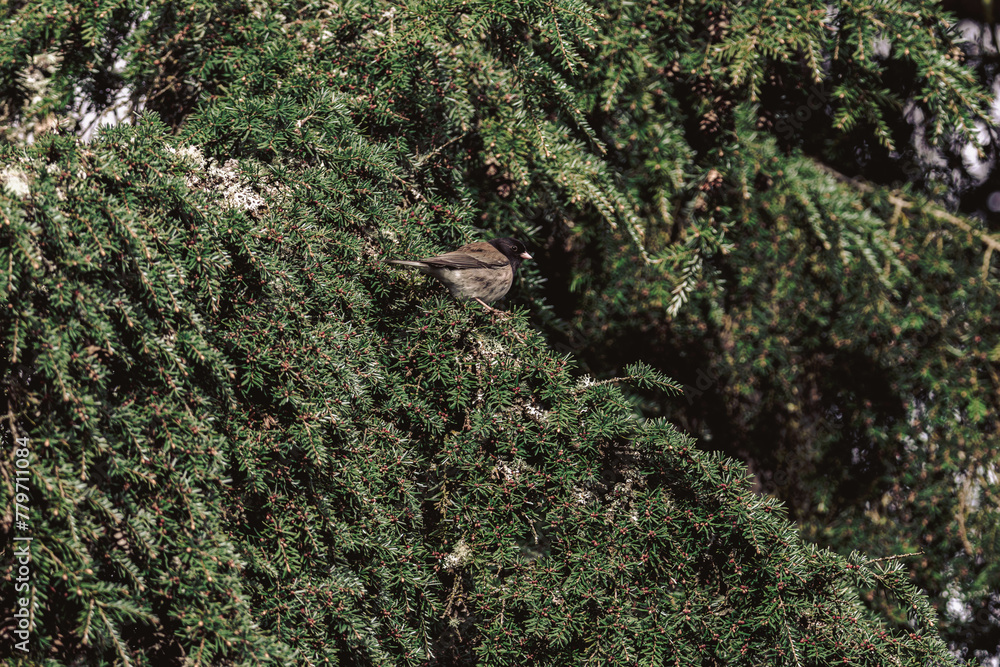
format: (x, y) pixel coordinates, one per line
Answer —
(254, 442)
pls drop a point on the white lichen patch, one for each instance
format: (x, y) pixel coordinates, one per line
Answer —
(583, 496)
(15, 182)
(535, 412)
(490, 348)
(225, 179)
(459, 556)
(510, 471)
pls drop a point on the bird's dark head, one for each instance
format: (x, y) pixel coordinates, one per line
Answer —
(513, 249)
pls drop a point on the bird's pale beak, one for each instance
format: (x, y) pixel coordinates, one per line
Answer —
(525, 255)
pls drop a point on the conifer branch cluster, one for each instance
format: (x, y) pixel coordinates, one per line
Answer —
(254, 443)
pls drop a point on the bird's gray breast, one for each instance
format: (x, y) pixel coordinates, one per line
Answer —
(488, 284)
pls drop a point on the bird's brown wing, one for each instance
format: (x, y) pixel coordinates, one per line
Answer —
(470, 256)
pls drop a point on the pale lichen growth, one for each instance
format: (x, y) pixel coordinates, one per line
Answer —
(510, 470)
(225, 179)
(15, 182)
(535, 412)
(459, 556)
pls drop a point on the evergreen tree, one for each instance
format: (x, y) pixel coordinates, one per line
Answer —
(251, 441)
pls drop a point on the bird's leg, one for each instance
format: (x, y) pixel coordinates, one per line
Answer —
(496, 313)
(489, 308)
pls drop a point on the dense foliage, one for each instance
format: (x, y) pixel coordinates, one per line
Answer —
(252, 441)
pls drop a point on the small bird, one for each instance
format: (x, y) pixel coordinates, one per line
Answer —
(481, 271)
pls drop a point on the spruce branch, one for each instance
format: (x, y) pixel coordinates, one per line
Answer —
(936, 211)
